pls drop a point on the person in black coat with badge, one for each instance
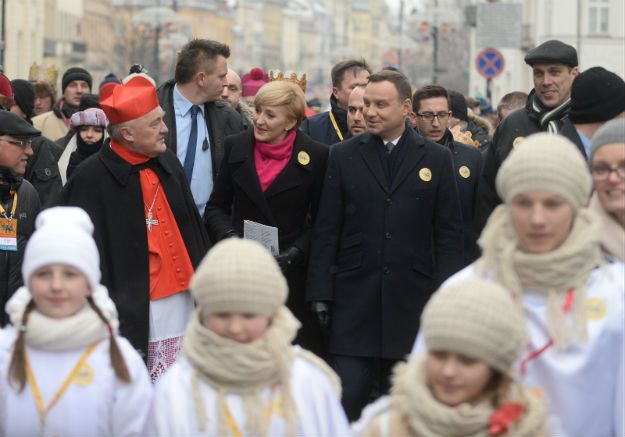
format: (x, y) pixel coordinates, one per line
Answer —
(431, 110)
(273, 175)
(388, 232)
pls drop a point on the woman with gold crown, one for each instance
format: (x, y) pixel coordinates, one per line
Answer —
(273, 175)
(543, 245)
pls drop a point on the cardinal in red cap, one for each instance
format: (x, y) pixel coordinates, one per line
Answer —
(147, 227)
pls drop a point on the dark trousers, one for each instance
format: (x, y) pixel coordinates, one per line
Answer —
(359, 375)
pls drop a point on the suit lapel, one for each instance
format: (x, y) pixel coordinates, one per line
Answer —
(414, 152)
(294, 172)
(368, 144)
(245, 176)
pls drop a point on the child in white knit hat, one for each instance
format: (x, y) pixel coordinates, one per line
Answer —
(238, 373)
(464, 384)
(63, 370)
(543, 245)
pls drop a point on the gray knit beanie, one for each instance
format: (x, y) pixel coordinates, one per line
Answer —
(545, 162)
(613, 132)
(475, 318)
(239, 276)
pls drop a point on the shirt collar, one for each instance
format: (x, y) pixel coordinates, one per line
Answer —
(182, 105)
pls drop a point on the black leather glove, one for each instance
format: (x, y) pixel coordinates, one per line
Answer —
(321, 310)
(231, 234)
(289, 258)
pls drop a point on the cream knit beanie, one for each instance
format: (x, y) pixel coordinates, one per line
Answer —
(63, 236)
(545, 162)
(239, 276)
(476, 318)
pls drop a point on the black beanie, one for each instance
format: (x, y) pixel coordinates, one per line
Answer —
(596, 95)
(75, 73)
(458, 105)
(89, 101)
(24, 96)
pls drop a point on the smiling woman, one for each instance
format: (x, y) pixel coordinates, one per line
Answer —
(608, 173)
(273, 176)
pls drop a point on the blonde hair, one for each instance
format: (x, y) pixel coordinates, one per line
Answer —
(283, 93)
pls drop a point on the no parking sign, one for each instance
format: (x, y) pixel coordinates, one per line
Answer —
(490, 63)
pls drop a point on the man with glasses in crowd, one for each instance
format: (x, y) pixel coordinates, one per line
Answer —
(431, 114)
(19, 202)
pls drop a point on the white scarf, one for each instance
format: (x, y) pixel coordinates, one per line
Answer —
(57, 334)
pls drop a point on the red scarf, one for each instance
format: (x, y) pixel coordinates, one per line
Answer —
(270, 159)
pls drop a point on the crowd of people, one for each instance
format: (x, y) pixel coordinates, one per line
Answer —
(434, 273)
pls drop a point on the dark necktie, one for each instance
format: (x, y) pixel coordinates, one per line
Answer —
(389, 147)
(189, 159)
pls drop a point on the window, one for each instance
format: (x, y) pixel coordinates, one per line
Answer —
(598, 16)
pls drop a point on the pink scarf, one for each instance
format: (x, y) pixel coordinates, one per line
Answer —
(270, 159)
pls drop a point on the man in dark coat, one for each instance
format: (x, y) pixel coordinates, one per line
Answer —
(331, 127)
(554, 66)
(19, 202)
(148, 231)
(42, 170)
(430, 105)
(196, 89)
(388, 232)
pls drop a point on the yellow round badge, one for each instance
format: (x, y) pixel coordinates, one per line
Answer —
(425, 174)
(84, 376)
(303, 158)
(595, 309)
(464, 171)
(516, 141)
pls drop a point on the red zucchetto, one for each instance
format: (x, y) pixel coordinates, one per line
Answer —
(129, 100)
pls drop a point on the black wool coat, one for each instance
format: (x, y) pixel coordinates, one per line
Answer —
(109, 189)
(378, 251)
(290, 203)
(319, 127)
(468, 164)
(28, 206)
(514, 127)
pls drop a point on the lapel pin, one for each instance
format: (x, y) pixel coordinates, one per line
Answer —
(425, 174)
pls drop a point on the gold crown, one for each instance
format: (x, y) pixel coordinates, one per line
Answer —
(301, 82)
(50, 74)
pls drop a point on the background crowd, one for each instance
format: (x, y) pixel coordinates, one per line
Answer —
(439, 271)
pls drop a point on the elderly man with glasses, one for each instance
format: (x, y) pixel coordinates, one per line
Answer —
(19, 202)
(431, 114)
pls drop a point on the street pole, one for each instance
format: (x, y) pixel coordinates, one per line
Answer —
(579, 29)
(401, 34)
(435, 44)
(3, 34)
(157, 67)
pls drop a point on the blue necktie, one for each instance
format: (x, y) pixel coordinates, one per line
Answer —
(189, 159)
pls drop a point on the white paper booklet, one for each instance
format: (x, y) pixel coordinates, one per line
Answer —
(265, 235)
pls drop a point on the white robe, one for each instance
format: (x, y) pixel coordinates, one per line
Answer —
(319, 411)
(98, 406)
(584, 386)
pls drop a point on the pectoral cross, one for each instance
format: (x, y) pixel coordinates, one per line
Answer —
(151, 222)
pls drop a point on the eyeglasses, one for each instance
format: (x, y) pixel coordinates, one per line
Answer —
(19, 143)
(601, 173)
(429, 116)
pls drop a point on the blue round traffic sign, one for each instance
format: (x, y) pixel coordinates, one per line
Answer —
(490, 63)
